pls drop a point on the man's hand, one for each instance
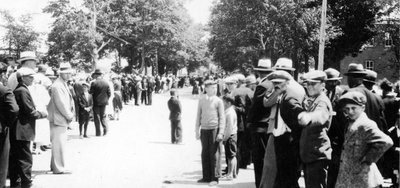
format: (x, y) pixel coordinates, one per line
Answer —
(197, 135)
(304, 119)
(219, 137)
(43, 113)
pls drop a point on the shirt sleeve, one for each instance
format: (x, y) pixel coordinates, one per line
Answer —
(198, 118)
(221, 117)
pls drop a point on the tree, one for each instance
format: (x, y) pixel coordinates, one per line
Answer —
(20, 35)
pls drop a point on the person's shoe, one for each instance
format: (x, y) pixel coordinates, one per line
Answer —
(63, 172)
(43, 148)
(213, 183)
(80, 136)
(85, 136)
(202, 180)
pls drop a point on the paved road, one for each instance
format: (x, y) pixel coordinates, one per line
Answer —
(136, 153)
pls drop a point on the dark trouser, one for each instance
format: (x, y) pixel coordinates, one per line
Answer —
(333, 169)
(315, 174)
(99, 116)
(83, 121)
(150, 97)
(259, 144)
(4, 154)
(287, 161)
(209, 147)
(20, 162)
(144, 97)
(244, 154)
(137, 97)
(176, 131)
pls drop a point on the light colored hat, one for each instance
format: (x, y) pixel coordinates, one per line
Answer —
(284, 63)
(24, 71)
(355, 69)
(332, 74)
(65, 68)
(264, 65)
(251, 79)
(279, 76)
(315, 76)
(240, 77)
(28, 55)
(209, 82)
(231, 80)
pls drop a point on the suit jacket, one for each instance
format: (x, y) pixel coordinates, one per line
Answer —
(364, 143)
(240, 95)
(84, 102)
(61, 106)
(101, 92)
(258, 115)
(374, 108)
(8, 108)
(175, 108)
(25, 126)
(314, 140)
(392, 156)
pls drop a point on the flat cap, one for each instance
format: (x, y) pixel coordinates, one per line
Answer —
(315, 76)
(332, 74)
(26, 71)
(210, 82)
(353, 97)
(279, 76)
(251, 79)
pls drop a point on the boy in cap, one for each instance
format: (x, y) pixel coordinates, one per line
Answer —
(315, 148)
(210, 125)
(175, 108)
(364, 144)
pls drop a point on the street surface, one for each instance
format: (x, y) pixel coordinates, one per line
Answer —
(136, 153)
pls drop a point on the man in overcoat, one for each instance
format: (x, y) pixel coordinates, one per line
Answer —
(23, 133)
(101, 92)
(175, 108)
(315, 147)
(8, 114)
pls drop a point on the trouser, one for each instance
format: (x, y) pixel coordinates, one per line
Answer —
(150, 97)
(144, 97)
(99, 116)
(137, 97)
(58, 137)
(287, 161)
(259, 143)
(4, 156)
(20, 162)
(176, 131)
(244, 154)
(83, 122)
(315, 174)
(209, 154)
(333, 169)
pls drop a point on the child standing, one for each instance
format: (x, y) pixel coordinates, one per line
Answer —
(230, 136)
(210, 125)
(85, 102)
(175, 108)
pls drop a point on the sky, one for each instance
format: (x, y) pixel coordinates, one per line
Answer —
(199, 10)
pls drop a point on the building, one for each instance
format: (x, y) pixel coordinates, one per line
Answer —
(377, 55)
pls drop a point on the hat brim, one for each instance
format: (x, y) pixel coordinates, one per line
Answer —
(355, 73)
(284, 68)
(65, 71)
(314, 81)
(370, 81)
(331, 79)
(278, 80)
(263, 69)
(27, 58)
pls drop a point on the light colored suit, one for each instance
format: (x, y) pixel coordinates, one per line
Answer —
(363, 142)
(61, 113)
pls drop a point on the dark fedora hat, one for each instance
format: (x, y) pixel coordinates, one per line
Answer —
(370, 76)
(355, 69)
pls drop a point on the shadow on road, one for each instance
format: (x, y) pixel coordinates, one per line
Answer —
(157, 142)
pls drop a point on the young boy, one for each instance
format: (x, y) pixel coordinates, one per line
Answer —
(85, 102)
(175, 108)
(230, 136)
(210, 125)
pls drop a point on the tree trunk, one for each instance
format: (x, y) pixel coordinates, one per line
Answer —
(306, 63)
(155, 64)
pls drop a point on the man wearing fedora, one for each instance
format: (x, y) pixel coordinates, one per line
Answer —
(257, 118)
(28, 60)
(369, 80)
(101, 92)
(61, 110)
(23, 133)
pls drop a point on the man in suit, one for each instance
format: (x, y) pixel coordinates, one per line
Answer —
(24, 132)
(315, 147)
(61, 110)
(175, 108)
(8, 114)
(150, 90)
(257, 118)
(101, 93)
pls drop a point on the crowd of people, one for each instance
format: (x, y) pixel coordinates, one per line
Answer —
(335, 135)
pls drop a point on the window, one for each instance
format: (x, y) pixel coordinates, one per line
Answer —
(369, 64)
(388, 40)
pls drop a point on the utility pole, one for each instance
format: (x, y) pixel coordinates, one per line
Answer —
(322, 36)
